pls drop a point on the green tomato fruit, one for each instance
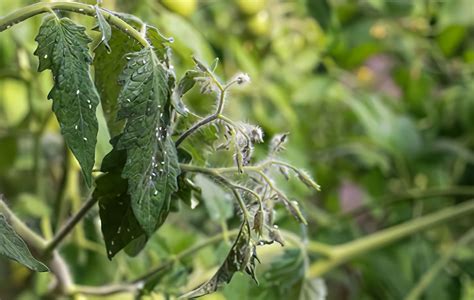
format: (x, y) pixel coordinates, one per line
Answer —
(251, 7)
(259, 24)
(182, 7)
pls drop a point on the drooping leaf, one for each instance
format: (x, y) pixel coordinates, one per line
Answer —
(63, 48)
(240, 258)
(13, 247)
(119, 225)
(104, 28)
(218, 202)
(152, 167)
(183, 86)
(108, 67)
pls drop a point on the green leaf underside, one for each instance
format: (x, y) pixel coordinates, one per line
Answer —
(13, 247)
(119, 225)
(218, 202)
(63, 48)
(240, 258)
(108, 67)
(152, 167)
(104, 28)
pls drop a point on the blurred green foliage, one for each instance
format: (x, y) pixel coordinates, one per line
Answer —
(378, 98)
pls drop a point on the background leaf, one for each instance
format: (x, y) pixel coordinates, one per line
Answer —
(218, 202)
(13, 247)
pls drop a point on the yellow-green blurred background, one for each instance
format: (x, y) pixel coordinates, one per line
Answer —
(378, 98)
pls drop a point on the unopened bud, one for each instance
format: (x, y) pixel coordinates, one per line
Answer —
(242, 78)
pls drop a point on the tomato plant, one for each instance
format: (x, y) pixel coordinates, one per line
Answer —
(183, 199)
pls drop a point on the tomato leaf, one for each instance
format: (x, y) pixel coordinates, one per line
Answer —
(108, 67)
(63, 48)
(104, 28)
(119, 225)
(13, 247)
(152, 164)
(240, 258)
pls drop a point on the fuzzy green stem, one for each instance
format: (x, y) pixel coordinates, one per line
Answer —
(345, 252)
(85, 9)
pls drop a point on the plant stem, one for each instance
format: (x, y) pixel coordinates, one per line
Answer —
(195, 127)
(34, 240)
(70, 223)
(342, 253)
(432, 272)
(85, 9)
(135, 284)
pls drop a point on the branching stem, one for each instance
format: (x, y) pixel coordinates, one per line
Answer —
(81, 8)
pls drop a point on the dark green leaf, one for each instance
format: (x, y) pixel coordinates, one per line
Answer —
(108, 67)
(136, 246)
(240, 258)
(152, 167)
(13, 247)
(159, 43)
(63, 48)
(104, 28)
(184, 156)
(119, 225)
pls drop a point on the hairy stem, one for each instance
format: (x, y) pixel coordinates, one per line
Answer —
(345, 252)
(195, 127)
(85, 9)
